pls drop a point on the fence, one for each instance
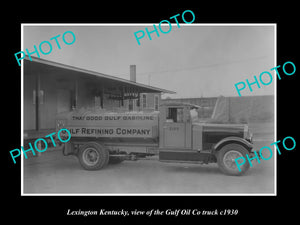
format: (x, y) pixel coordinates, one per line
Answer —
(237, 109)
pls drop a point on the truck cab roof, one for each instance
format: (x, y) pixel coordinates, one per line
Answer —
(178, 104)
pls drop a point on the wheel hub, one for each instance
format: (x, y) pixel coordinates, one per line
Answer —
(90, 156)
(229, 159)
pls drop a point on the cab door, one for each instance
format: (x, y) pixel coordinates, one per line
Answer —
(177, 128)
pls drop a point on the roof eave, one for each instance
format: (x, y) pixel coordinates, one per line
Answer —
(73, 68)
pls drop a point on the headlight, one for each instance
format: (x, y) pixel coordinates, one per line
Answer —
(246, 131)
(249, 137)
(248, 134)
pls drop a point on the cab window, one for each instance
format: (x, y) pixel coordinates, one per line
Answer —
(174, 115)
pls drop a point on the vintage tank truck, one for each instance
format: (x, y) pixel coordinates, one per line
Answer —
(101, 138)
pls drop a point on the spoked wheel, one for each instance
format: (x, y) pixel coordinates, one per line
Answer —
(226, 159)
(93, 156)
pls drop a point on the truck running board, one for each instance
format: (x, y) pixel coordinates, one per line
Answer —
(185, 156)
(132, 156)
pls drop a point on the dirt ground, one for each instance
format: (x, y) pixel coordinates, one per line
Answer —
(53, 173)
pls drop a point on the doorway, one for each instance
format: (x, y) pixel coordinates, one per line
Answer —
(63, 100)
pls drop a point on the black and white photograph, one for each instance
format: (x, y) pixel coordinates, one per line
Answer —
(149, 109)
(149, 113)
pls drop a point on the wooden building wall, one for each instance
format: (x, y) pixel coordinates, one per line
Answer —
(58, 94)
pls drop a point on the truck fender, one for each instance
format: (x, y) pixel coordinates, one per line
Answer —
(237, 140)
(67, 149)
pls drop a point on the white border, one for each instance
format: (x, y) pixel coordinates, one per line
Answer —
(275, 111)
(158, 194)
(22, 112)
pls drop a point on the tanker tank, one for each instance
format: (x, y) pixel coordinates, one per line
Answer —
(108, 124)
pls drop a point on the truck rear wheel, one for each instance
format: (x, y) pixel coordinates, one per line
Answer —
(93, 156)
(226, 159)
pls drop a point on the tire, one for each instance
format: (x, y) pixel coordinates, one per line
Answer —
(226, 159)
(93, 156)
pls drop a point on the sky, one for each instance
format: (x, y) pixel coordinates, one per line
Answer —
(195, 60)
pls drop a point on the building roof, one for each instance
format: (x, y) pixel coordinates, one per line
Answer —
(36, 62)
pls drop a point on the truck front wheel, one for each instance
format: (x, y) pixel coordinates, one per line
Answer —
(226, 159)
(93, 156)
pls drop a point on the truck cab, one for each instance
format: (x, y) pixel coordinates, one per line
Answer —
(183, 139)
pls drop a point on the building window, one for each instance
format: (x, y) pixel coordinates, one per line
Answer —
(156, 102)
(97, 102)
(130, 105)
(144, 101)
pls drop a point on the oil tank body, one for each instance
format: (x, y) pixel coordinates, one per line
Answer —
(118, 125)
